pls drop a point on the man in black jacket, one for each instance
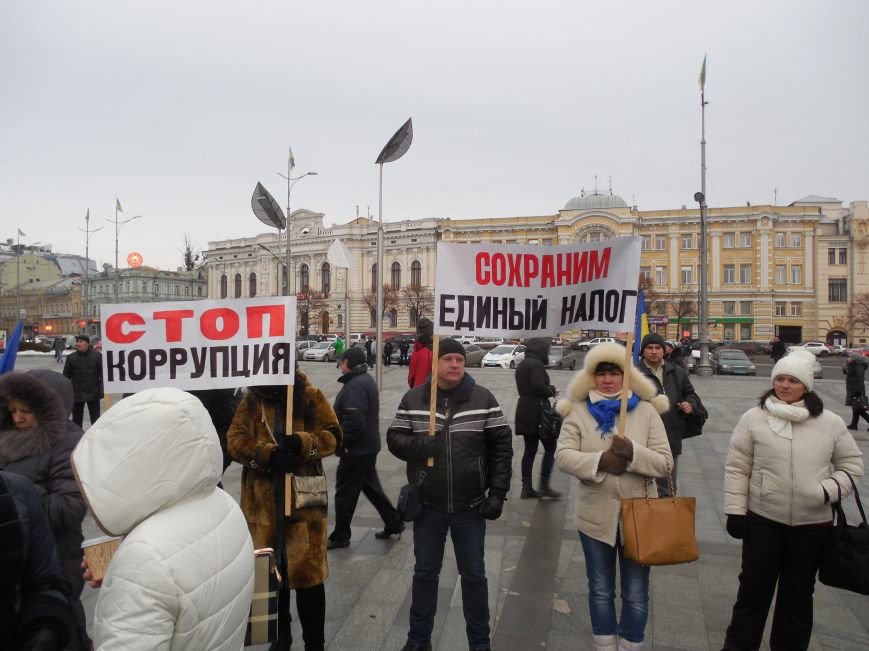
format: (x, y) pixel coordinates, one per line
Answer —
(466, 485)
(357, 407)
(673, 381)
(84, 368)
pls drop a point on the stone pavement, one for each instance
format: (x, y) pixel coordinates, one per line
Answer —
(537, 583)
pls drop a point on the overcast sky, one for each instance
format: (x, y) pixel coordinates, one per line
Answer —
(179, 107)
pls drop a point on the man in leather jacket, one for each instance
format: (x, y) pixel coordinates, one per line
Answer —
(466, 485)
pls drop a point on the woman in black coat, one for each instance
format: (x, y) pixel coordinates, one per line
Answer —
(855, 387)
(532, 383)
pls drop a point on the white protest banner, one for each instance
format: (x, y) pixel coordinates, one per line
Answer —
(518, 291)
(199, 344)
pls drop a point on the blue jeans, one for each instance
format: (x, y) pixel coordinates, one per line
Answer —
(468, 532)
(600, 563)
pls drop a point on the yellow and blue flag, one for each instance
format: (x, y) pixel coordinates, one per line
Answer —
(702, 78)
(7, 361)
(292, 160)
(641, 329)
(118, 205)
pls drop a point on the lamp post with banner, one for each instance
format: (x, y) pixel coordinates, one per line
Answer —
(87, 267)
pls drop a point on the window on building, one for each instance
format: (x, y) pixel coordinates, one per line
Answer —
(729, 308)
(660, 308)
(745, 240)
(177, 290)
(340, 320)
(781, 309)
(688, 241)
(729, 274)
(395, 276)
(745, 331)
(187, 290)
(223, 286)
(413, 317)
(781, 274)
(745, 308)
(831, 256)
(144, 286)
(745, 274)
(375, 280)
(661, 276)
(729, 332)
(251, 285)
(796, 309)
(843, 256)
(156, 289)
(796, 240)
(660, 242)
(199, 291)
(326, 278)
(416, 273)
(780, 239)
(729, 240)
(646, 273)
(647, 242)
(687, 276)
(797, 274)
(237, 286)
(393, 318)
(838, 288)
(304, 278)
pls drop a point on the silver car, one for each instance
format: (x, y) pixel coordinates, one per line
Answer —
(323, 351)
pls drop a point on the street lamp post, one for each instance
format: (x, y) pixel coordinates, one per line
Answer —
(703, 368)
(118, 225)
(291, 181)
(87, 265)
(276, 257)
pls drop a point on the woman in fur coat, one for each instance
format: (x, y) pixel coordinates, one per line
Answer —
(610, 468)
(251, 440)
(36, 440)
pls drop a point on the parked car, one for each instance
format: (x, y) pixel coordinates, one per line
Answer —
(465, 339)
(748, 347)
(395, 356)
(838, 349)
(323, 351)
(731, 361)
(817, 348)
(303, 345)
(817, 370)
(588, 344)
(488, 343)
(474, 355)
(561, 357)
(504, 356)
(860, 350)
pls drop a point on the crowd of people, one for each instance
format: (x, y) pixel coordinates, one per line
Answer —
(182, 577)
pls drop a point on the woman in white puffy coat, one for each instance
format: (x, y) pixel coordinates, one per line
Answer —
(788, 459)
(610, 468)
(182, 579)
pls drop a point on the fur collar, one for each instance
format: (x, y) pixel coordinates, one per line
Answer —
(583, 382)
(51, 417)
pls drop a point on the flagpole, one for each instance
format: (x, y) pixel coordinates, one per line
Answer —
(378, 337)
(18, 277)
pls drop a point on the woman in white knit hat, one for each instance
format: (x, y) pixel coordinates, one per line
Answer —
(788, 459)
(609, 468)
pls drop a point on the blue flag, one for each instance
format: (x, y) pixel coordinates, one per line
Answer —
(7, 362)
(641, 329)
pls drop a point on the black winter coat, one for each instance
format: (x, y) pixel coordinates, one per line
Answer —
(475, 452)
(678, 388)
(357, 407)
(85, 371)
(43, 456)
(532, 383)
(855, 376)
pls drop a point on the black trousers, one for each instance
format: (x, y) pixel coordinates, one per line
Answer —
(774, 553)
(78, 411)
(359, 475)
(311, 607)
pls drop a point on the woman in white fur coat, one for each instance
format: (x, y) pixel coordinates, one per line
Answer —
(609, 468)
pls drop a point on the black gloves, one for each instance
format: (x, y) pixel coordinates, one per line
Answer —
(492, 507)
(623, 447)
(430, 446)
(611, 463)
(286, 459)
(736, 526)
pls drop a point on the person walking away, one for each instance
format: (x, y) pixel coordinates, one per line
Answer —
(387, 353)
(466, 485)
(788, 459)
(421, 359)
(855, 388)
(532, 384)
(403, 349)
(36, 440)
(58, 346)
(672, 355)
(673, 382)
(339, 350)
(609, 468)
(84, 368)
(357, 408)
(374, 345)
(314, 435)
(777, 350)
(368, 350)
(182, 577)
(34, 610)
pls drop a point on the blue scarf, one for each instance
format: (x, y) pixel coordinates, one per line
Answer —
(606, 411)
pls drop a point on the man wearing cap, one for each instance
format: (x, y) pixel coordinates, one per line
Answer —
(357, 407)
(467, 483)
(84, 368)
(672, 381)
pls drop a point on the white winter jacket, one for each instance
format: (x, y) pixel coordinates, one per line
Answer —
(784, 479)
(183, 576)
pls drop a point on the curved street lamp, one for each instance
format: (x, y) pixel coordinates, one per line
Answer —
(291, 181)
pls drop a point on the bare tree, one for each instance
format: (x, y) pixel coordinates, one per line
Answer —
(193, 259)
(683, 303)
(858, 311)
(651, 295)
(418, 298)
(309, 306)
(390, 300)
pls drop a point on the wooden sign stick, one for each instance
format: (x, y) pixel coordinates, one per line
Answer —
(433, 398)
(626, 383)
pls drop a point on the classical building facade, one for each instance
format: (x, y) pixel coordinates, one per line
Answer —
(786, 270)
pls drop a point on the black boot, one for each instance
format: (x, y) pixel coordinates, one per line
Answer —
(285, 634)
(545, 490)
(528, 491)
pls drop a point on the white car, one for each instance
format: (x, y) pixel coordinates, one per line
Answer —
(591, 343)
(324, 351)
(816, 348)
(504, 356)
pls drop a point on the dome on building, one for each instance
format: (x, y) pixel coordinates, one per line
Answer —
(595, 200)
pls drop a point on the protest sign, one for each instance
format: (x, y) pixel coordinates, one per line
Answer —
(531, 291)
(199, 344)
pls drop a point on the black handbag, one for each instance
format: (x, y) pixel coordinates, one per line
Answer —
(695, 420)
(409, 504)
(846, 552)
(550, 422)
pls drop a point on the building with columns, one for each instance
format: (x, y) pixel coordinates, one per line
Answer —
(785, 270)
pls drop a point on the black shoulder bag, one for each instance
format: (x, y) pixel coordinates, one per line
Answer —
(409, 504)
(550, 422)
(846, 552)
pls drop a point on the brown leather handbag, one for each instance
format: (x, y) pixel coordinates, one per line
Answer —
(659, 530)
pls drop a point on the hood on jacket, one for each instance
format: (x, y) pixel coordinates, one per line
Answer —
(583, 382)
(46, 405)
(538, 347)
(149, 451)
(60, 383)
